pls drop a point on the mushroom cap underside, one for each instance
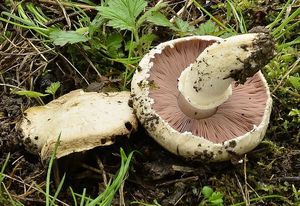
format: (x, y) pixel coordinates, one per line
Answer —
(237, 126)
(82, 120)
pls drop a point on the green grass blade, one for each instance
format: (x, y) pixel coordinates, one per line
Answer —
(10, 199)
(83, 197)
(16, 18)
(58, 190)
(288, 44)
(23, 15)
(73, 196)
(2, 170)
(106, 197)
(278, 18)
(285, 22)
(239, 17)
(39, 18)
(44, 32)
(49, 171)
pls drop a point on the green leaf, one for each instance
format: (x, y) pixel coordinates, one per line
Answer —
(217, 202)
(147, 39)
(30, 94)
(96, 23)
(207, 191)
(63, 37)
(216, 195)
(122, 14)
(158, 18)
(295, 113)
(295, 81)
(183, 27)
(148, 13)
(114, 43)
(216, 199)
(53, 88)
(209, 27)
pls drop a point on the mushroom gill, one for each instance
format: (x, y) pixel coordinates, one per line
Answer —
(235, 117)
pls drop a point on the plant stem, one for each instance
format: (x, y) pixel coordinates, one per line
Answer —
(262, 198)
(213, 18)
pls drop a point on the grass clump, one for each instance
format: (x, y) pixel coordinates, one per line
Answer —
(104, 199)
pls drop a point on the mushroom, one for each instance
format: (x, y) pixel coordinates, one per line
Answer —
(83, 120)
(203, 97)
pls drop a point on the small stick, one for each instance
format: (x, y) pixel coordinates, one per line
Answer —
(65, 13)
(59, 19)
(245, 179)
(102, 171)
(67, 4)
(89, 61)
(242, 190)
(286, 75)
(187, 179)
(121, 193)
(186, 5)
(38, 51)
(70, 64)
(36, 188)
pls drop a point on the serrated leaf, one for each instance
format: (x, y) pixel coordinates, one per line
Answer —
(122, 14)
(53, 88)
(217, 202)
(62, 38)
(30, 94)
(216, 196)
(295, 81)
(96, 23)
(294, 112)
(207, 191)
(148, 13)
(216, 199)
(183, 27)
(159, 19)
(114, 43)
(147, 38)
(209, 27)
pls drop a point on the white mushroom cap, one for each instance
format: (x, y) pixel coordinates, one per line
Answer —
(84, 119)
(178, 137)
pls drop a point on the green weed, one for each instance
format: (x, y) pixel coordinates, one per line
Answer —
(211, 197)
(52, 89)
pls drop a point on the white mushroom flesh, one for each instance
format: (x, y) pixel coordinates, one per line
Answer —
(83, 120)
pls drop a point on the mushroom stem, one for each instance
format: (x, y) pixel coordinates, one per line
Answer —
(206, 84)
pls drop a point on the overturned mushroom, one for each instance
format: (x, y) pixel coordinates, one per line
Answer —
(84, 119)
(188, 94)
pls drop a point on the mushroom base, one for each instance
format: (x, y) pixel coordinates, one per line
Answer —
(194, 112)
